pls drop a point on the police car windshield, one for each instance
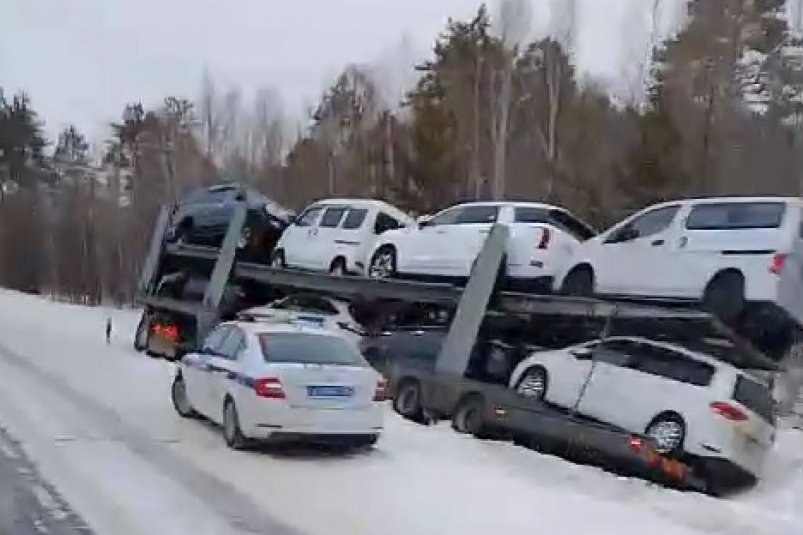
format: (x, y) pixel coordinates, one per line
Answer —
(304, 348)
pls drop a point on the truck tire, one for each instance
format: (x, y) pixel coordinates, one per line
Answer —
(143, 333)
(407, 400)
(469, 415)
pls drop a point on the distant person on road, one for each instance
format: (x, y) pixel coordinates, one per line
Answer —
(108, 330)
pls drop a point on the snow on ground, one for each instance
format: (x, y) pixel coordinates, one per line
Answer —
(98, 421)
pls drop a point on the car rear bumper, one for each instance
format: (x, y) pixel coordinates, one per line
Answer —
(327, 422)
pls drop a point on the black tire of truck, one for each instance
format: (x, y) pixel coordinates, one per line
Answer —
(143, 333)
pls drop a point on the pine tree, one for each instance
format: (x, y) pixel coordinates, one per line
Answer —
(21, 141)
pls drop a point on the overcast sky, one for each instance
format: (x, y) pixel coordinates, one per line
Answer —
(82, 60)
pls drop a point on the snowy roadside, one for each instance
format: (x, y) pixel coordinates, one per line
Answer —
(103, 452)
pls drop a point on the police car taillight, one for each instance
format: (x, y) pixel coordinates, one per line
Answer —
(381, 392)
(269, 387)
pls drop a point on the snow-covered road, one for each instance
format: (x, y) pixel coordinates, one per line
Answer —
(98, 422)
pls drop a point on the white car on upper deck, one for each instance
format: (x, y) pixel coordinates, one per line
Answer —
(444, 246)
(281, 379)
(334, 235)
(722, 251)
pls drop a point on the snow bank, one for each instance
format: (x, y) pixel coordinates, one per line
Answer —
(417, 480)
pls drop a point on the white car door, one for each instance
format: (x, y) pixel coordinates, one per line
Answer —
(464, 239)
(635, 257)
(224, 372)
(297, 238)
(322, 246)
(198, 371)
(611, 390)
(423, 251)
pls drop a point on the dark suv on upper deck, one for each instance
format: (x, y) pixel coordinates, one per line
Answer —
(202, 218)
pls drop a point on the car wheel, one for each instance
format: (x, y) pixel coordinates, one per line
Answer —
(383, 263)
(178, 393)
(231, 426)
(407, 401)
(143, 333)
(468, 416)
(338, 268)
(724, 296)
(668, 431)
(277, 260)
(533, 383)
(579, 282)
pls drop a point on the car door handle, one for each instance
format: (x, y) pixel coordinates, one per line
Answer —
(657, 243)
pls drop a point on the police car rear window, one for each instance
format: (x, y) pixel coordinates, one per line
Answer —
(304, 348)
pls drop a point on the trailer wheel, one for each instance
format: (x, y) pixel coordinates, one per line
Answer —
(407, 401)
(533, 384)
(669, 431)
(468, 416)
(143, 333)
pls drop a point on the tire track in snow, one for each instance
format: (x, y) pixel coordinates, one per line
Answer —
(224, 499)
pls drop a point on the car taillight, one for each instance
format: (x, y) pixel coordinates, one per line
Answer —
(545, 238)
(381, 392)
(728, 411)
(167, 331)
(635, 444)
(269, 387)
(778, 263)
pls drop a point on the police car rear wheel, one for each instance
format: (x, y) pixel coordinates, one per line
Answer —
(231, 426)
(180, 400)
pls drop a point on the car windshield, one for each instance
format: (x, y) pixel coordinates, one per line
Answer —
(307, 348)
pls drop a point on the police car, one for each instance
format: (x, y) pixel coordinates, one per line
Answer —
(281, 379)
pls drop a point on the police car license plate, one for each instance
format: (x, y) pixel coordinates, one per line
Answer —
(329, 391)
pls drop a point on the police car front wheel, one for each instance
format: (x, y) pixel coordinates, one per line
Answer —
(178, 393)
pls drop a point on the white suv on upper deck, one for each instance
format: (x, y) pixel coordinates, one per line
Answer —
(334, 235)
(542, 238)
(724, 252)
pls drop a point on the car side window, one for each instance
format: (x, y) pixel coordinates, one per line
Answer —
(672, 365)
(354, 219)
(478, 214)
(647, 224)
(385, 223)
(332, 216)
(213, 340)
(446, 217)
(309, 217)
(232, 344)
(572, 225)
(615, 352)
